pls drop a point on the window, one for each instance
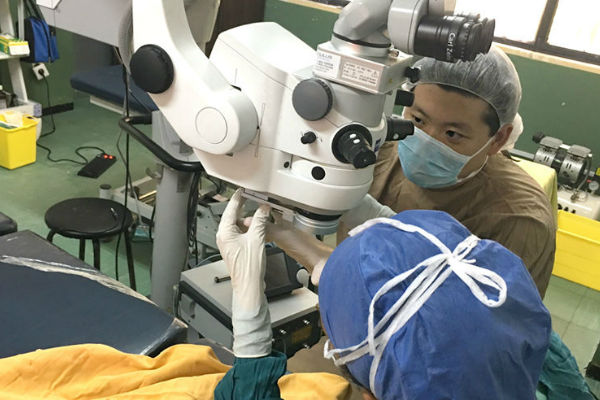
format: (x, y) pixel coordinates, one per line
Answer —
(565, 28)
(576, 26)
(511, 24)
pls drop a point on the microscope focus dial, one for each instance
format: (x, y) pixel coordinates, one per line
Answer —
(312, 99)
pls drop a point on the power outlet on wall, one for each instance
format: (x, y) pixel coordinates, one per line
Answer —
(40, 71)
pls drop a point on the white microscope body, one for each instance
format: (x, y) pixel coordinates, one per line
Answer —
(277, 162)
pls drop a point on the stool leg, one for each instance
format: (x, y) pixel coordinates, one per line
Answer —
(50, 236)
(130, 260)
(96, 245)
(82, 249)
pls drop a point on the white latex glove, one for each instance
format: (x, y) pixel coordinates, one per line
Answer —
(310, 252)
(244, 255)
(367, 209)
(303, 247)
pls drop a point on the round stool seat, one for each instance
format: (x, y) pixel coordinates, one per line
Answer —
(88, 218)
(92, 218)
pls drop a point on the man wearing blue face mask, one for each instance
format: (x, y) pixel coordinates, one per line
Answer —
(465, 114)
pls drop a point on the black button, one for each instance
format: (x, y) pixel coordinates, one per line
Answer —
(308, 137)
(318, 173)
(413, 74)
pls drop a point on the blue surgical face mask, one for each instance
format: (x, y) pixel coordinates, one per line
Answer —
(430, 164)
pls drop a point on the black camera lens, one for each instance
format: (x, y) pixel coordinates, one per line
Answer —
(453, 38)
(487, 34)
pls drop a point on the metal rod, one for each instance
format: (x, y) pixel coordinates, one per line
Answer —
(128, 123)
(222, 279)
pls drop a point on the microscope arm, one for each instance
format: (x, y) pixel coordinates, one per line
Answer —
(363, 20)
(380, 21)
(204, 109)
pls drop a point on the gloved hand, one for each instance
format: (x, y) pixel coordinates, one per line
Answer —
(303, 247)
(368, 208)
(244, 255)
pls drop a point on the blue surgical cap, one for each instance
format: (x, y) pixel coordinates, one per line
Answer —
(454, 346)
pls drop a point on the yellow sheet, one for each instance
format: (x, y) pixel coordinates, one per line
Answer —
(545, 176)
(94, 371)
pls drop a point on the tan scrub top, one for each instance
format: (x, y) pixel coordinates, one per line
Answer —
(502, 203)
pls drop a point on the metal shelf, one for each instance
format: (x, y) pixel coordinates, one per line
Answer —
(14, 65)
(4, 56)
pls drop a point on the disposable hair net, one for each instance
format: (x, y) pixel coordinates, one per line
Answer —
(491, 76)
(460, 343)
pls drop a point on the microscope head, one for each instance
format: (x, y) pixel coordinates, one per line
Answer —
(299, 128)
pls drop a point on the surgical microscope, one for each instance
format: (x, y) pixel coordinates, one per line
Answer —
(298, 129)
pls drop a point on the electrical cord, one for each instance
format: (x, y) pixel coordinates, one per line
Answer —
(151, 225)
(191, 213)
(77, 150)
(219, 186)
(127, 173)
(130, 180)
(129, 91)
(49, 105)
(49, 156)
(215, 257)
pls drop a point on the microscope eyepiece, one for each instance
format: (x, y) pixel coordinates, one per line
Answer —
(352, 145)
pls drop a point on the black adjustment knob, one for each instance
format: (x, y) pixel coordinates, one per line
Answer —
(308, 138)
(537, 138)
(413, 74)
(312, 99)
(398, 128)
(404, 98)
(352, 144)
(152, 69)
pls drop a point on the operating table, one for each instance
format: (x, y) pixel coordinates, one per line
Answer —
(49, 298)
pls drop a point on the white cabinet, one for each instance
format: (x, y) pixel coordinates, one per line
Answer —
(7, 25)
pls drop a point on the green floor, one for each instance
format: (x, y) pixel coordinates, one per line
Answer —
(27, 192)
(575, 313)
